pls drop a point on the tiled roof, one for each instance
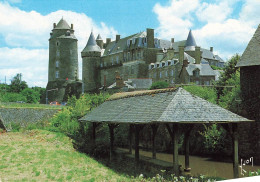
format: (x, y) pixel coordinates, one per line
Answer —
(188, 58)
(62, 25)
(205, 69)
(91, 44)
(251, 55)
(160, 106)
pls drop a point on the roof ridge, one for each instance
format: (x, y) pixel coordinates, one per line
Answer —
(122, 95)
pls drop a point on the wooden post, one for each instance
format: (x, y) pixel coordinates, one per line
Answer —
(111, 132)
(131, 128)
(174, 132)
(154, 130)
(235, 150)
(137, 130)
(94, 126)
(187, 147)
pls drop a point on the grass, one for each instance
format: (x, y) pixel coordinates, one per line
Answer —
(40, 155)
(28, 105)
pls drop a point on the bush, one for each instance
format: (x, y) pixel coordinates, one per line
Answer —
(31, 95)
(159, 85)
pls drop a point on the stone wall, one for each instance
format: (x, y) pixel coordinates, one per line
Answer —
(24, 116)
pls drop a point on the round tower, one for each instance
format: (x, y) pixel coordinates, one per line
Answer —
(91, 55)
(100, 41)
(63, 53)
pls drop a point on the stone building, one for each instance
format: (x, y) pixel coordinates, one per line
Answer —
(138, 56)
(249, 65)
(185, 62)
(63, 63)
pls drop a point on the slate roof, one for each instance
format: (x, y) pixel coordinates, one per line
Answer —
(205, 69)
(189, 58)
(176, 45)
(91, 45)
(99, 37)
(190, 43)
(251, 55)
(62, 25)
(160, 106)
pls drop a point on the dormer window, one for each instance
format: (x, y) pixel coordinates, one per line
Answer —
(196, 73)
(57, 74)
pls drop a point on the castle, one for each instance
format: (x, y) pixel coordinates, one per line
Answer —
(139, 57)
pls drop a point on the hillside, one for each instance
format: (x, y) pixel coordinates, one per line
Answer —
(39, 155)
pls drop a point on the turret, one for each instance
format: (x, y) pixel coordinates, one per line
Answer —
(100, 41)
(190, 42)
(63, 53)
(90, 59)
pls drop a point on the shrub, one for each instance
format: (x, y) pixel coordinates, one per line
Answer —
(159, 85)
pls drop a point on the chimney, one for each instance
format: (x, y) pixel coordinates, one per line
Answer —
(181, 54)
(197, 55)
(211, 49)
(119, 80)
(172, 40)
(117, 38)
(71, 26)
(108, 40)
(150, 37)
(54, 25)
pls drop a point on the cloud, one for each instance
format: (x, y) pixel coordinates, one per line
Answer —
(215, 25)
(25, 35)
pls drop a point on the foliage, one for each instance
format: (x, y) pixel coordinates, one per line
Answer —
(159, 85)
(216, 67)
(12, 97)
(254, 173)
(17, 85)
(207, 93)
(31, 95)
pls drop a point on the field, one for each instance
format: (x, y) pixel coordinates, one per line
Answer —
(40, 155)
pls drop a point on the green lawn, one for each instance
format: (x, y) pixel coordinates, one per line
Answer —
(39, 155)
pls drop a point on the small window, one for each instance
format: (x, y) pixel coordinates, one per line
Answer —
(58, 53)
(117, 60)
(128, 56)
(171, 72)
(206, 83)
(133, 41)
(112, 61)
(172, 81)
(101, 65)
(57, 43)
(160, 74)
(154, 75)
(57, 64)
(196, 73)
(57, 74)
(166, 73)
(197, 82)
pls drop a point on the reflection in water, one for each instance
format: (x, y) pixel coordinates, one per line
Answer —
(202, 165)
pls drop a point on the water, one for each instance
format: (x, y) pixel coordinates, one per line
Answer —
(202, 165)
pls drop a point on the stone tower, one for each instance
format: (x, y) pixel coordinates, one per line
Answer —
(63, 60)
(90, 60)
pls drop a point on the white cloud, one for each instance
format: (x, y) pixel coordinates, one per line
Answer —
(175, 18)
(27, 33)
(216, 27)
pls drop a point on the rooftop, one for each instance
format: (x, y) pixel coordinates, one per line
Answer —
(160, 106)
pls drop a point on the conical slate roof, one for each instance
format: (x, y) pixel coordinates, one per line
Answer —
(190, 40)
(62, 25)
(91, 45)
(160, 106)
(99, 37)
(251, 55)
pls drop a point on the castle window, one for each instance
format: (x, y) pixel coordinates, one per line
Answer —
(58, 53)
(160, 74)
(128, 42)
(128, 56)
(57, 64)
(172, 81)
(196, 73)
(57, 74)
(154, 75)
(171, 72)
(133, 41)
(112, 61)
(101, 65)
(117, 60)
(57, 43)
(197, 82)
(166, 73)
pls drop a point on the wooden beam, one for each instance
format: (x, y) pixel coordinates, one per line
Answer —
(235, 150)
(137, 131)
(174, 132)
(154, 131)
(111, 132)
(130, 133)
(187, 146)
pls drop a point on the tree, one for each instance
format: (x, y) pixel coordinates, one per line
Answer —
(17, 85)
(31, 95)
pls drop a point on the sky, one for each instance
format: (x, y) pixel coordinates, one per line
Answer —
(25, 27)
